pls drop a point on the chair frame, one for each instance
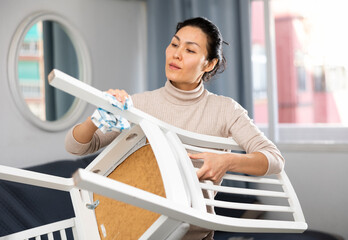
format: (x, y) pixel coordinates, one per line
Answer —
(184, 203)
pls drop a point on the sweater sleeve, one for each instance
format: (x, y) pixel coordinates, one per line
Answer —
(251, 139)
(98, 141)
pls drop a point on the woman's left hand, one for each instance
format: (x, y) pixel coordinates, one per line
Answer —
(214, 167)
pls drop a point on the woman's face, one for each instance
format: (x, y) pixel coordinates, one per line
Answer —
(186, 58)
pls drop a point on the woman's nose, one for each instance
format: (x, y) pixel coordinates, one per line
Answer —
(177, 54)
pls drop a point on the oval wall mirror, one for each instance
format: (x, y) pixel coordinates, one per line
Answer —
(46, 41)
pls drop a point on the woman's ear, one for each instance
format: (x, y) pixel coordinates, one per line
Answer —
(211, 64)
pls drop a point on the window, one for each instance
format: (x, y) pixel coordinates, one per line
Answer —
(31, 70)
(300, 69)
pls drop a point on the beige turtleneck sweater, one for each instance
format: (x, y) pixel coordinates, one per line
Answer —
(197, 111)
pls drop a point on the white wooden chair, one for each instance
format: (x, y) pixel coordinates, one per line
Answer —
(79, 199)
(182, 203)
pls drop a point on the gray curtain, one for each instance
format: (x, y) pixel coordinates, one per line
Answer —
(233, 19)
(59, 53)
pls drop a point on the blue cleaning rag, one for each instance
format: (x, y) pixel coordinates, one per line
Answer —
(107, 121)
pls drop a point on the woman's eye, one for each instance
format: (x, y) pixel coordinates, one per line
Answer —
(174, 45)
(190, 51)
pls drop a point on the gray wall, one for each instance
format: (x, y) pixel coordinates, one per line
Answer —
(320, 181)
(115, 35)
(319, 177)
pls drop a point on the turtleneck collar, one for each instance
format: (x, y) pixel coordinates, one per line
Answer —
(182, 97)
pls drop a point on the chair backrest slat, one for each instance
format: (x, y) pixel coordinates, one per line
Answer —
(244, 191)
(243, 178)
(45, 230)
(248, 206)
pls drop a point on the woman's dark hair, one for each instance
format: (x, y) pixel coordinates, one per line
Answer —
(214, 43)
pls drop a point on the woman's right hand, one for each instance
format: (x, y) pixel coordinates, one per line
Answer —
(83, 132)
(120, 94)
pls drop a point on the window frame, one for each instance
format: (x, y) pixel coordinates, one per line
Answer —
(294, 137)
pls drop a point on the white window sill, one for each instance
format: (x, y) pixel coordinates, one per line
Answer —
(313, 147)
(309, 138)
